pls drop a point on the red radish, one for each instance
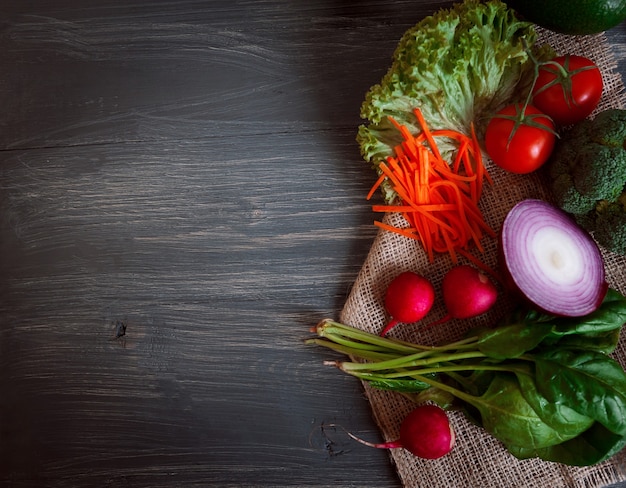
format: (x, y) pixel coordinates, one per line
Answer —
(425, 432)
(409, 297)
(467, 293)
(550, 260)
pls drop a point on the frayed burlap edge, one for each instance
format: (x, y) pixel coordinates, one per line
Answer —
(478, 460)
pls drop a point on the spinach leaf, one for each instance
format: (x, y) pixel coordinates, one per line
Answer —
(512, 340)
(558, 416)
(526, 329)
(589, 382)
(593, 446)
(604, 342)
(505, 413)
(610, 315)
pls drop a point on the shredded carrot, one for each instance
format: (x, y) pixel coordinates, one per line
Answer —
(438, 199)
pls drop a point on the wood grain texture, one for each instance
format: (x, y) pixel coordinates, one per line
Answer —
(188, 168)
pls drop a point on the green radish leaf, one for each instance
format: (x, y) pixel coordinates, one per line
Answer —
(589, 382)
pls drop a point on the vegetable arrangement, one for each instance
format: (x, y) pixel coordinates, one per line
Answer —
(541, 380)
(466, 83)
(438, 101)
(457, 67)
(543, 385)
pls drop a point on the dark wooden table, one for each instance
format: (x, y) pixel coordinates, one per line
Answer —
(187, 170)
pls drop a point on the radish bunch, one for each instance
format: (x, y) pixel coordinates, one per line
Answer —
(466, 293)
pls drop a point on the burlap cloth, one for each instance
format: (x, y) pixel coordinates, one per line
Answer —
(478, 460)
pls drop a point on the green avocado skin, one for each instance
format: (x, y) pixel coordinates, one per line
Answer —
(576, 17)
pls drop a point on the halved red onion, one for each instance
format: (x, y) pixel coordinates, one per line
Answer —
(552, 261)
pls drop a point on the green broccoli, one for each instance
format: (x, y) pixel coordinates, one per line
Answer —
(587, 173)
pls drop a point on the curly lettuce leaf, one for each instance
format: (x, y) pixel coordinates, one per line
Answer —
(458, 66)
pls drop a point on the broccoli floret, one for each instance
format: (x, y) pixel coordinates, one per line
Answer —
(587, 173)
(610, 224)
(609, 128)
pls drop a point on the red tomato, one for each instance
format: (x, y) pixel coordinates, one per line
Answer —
(570, 91)
(530, 144)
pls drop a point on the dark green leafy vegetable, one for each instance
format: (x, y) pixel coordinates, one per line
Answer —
(509, 417)
(543, 385)
(593, 446)
(558, 416)
(589, 382)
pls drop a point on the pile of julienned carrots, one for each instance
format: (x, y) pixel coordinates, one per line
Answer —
(438, 199)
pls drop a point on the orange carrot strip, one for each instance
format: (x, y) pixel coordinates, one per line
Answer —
(379, 182)
(431, 216)
(451, 134)
(403, 232)
(427, 241)
(461, 151)
(391, 172)
(426, 132)
(438, 199)
(481, 170)
(450, 247)
(418, 209)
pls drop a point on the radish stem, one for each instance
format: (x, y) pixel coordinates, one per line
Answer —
(364, 354)
(415, 360)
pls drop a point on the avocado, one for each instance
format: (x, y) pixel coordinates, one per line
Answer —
(576, 17)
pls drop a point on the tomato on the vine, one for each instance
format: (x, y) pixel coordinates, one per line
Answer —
(520, 140)
(568, 88)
